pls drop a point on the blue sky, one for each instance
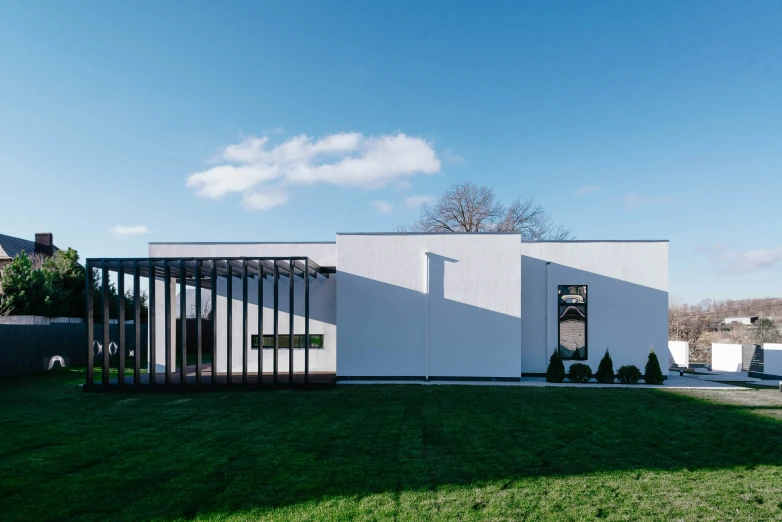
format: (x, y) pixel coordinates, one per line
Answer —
(626, 120)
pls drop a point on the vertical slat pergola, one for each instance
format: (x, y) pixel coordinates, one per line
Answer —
(199, 273)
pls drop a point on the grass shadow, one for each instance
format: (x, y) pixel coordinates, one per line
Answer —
(67, 454)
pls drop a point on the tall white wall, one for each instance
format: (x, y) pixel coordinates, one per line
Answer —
(472, 307)
(726, 357)
(322, 304)
(627, 301)
(679, 353)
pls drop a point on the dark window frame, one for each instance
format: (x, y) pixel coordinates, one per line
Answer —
(269, 338)
(585, 304)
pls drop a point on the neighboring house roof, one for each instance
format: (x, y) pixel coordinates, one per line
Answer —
(10, 247)
(743, 320)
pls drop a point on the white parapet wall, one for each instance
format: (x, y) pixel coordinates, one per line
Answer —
(772, 359)
(726, 357)
(679, 353)
(322, 306)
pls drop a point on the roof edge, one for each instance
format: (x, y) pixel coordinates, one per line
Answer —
(242, 243)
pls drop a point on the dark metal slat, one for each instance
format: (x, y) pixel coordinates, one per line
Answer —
(137, 325)
(213, 289)
(121, 322)
(244, 323)
(276, 320)
(167, 294)
(106, 338)
(152, 325)
(89, 298)
(183, 321)
(306, 323)
(230, 305)
(291, 315)
(198, 321)
(260, 325)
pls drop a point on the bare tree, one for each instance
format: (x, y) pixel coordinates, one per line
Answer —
(690, 324)
(5, 307)
(37, 259)
(466, 207)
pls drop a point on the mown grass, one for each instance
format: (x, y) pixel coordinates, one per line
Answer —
(382, 452)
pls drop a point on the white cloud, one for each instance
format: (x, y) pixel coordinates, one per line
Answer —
(633, 200)
(449, 156)
(589, 189)
(403, 185)
(264, 199)
(417, 201)
(383, 207)
(345, 159)
(122, 231)
(753, 260)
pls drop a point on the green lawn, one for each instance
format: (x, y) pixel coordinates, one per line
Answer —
(381, 452)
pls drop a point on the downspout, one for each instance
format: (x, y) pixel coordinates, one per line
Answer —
(426, 315)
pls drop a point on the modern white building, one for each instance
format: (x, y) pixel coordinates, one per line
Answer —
(440, 306)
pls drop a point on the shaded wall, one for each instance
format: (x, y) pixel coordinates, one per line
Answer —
(470, 307)
(627, 299)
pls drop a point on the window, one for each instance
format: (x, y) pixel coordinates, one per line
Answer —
(316, 341)
(572, 302)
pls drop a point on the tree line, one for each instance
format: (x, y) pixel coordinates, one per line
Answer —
(55, 286)
(702, 324)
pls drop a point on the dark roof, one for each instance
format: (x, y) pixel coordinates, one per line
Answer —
(10, 246)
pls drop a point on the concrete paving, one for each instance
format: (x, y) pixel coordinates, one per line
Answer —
(673, 382)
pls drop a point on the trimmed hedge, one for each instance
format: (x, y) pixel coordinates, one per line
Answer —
(605, 372)
(652, 372)
(580, 373)
(556, 369)
(629, 374)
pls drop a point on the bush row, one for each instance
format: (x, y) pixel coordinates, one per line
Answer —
(582, 373)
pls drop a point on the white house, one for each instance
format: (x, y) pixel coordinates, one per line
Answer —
(445, 306)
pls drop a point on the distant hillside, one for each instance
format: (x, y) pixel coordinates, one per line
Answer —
(770, 307)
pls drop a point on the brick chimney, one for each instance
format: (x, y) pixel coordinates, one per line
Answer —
(44, 243)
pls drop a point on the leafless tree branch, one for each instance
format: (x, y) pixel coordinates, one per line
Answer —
(466, 207)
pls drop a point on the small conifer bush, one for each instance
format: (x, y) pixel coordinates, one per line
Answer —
(556, 369)
(580, 373)
(652, 372)
(605, 371)
(629, 374)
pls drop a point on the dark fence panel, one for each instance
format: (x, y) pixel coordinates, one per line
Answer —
(130, 345)
(26, 349)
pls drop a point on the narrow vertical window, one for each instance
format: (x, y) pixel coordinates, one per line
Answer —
(572, 300)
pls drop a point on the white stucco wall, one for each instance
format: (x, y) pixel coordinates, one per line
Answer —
(491, 306)
(627, 299)
(679, 353)
(472, 308)
(322, 305)
(772, 359)
(160, 318)
(726, 357)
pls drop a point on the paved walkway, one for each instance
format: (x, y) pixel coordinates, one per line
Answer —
(673, 382)
(738, 378)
